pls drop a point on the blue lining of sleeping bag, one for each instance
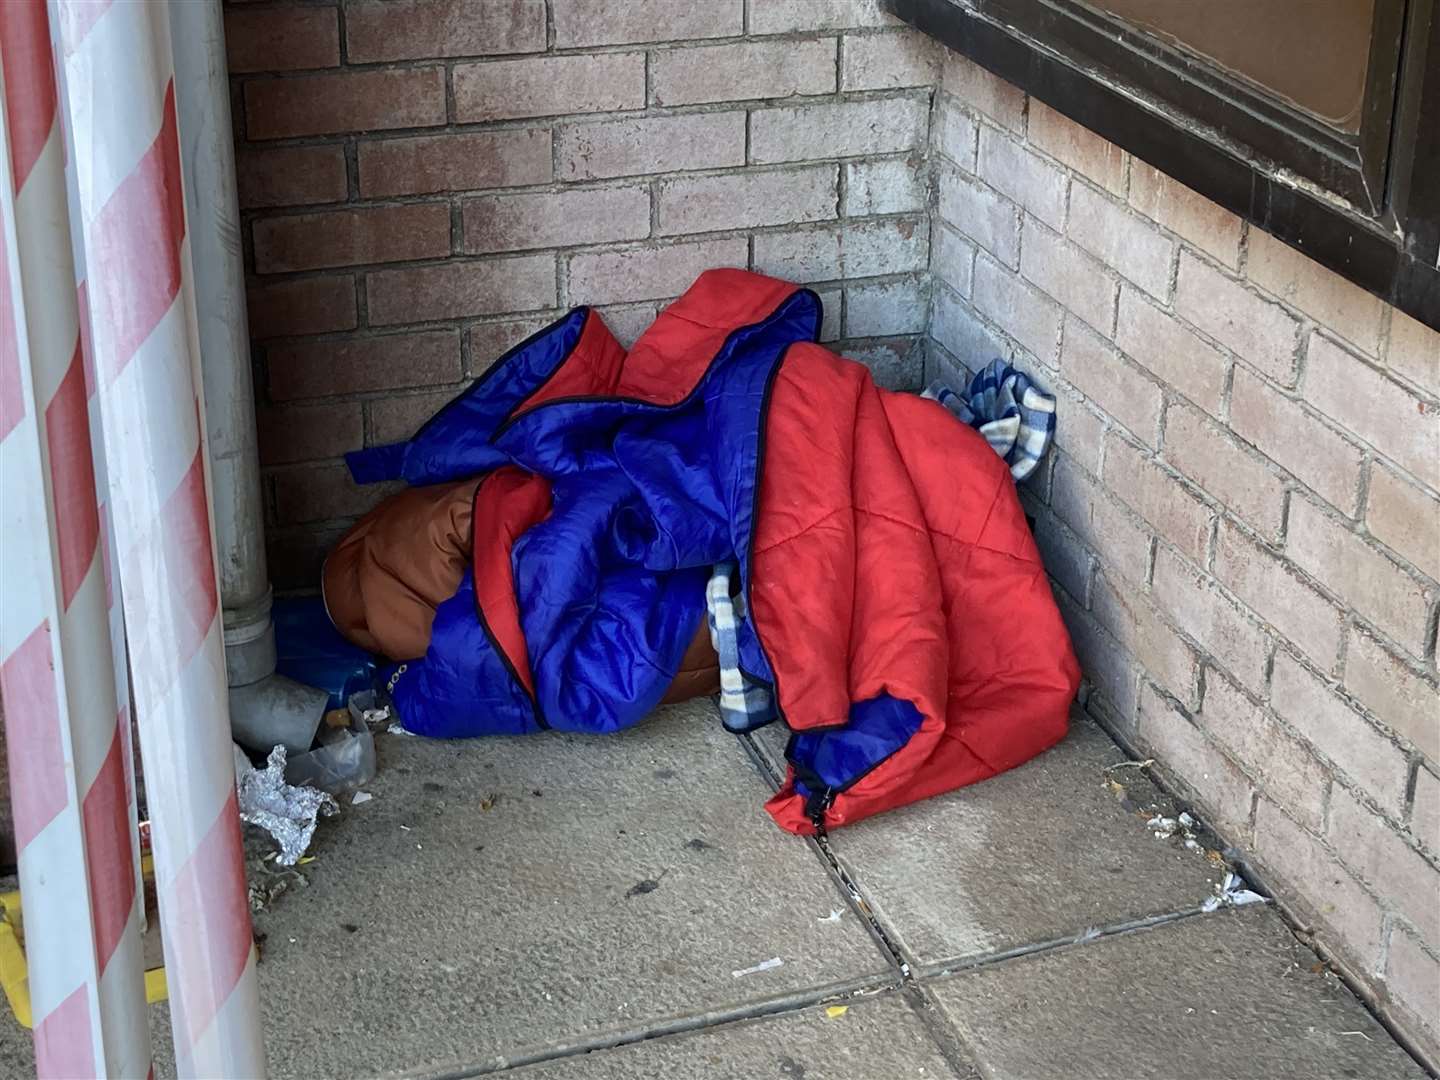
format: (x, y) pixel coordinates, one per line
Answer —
(456, 441)
(838, 757)
(610, 586)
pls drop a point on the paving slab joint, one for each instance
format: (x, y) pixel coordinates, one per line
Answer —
(957, 1052)
(1298, 924)
(797, 1001)
(827, 856)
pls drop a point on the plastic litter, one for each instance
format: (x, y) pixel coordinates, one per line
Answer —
(396, 729)
(764, 965)
(836, 1010)
(360, 797)
(1231, 893)
(834, 916)
(286, 812)
(345, 758)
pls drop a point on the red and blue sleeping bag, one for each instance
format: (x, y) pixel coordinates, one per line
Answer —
(895, 602)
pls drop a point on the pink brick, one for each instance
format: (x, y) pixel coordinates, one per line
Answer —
(1072, 277)
(314, 305)
(1116, 386)
(1414, 352)
(886, 308)
(357, 365)
(1022, 312)
(549, 86)
(1365, 579)
(1406, 702)
(1171, 351)
(628, 321)
(457, 161)
(895, 363)
(580, 23)
(650, 145)
(1141, 630)
(1425, 814)
(1270, 587)
(887, 186)
(1197, 606)
(1125, 242)
(488, 341)
(281, 39)
(838, 129)
(344, 101)
(1066, 558)
(956, 134)
(1403, 427)
(1244, 322)
(294, 556)
(555, 219)
(983, 215)
(1157, 496)
(1284, 766)
(1224, 791)
(1339, 732)
(984, 92)
(1325, 296)
(1398, 873)
(1237, 478)
(1405, 518)
(747, 199)
(290, 176)
(1309, 872)
(395, 417)
(648, 273)
(1107, 667)
(1283, 430)
(790, 16)
(1027, 178)
(1083, 431)
(856, 249)
(1188, 214)
(487, 287)
(309, 432)
(323, 493)
(1413, 978)
(889, 61)
(741, 71)
(1106, 528)
(370, 234)
(956, 327)
(893, 246)
(1093, 157)
(422, 29)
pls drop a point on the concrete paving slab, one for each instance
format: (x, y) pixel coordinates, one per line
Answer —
(880, 1039)
(1040, 853)
(502, 895)
(1231, 994)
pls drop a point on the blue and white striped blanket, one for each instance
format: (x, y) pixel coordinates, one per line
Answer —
(1012, 411)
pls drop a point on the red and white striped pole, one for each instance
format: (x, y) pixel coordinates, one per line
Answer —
(119, 90)
(67, 739)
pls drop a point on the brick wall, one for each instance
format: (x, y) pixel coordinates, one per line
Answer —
(1241, 520)
(425, 182)
(1241, 517)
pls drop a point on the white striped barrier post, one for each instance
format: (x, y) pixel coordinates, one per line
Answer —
(119, 90)
(67, 738)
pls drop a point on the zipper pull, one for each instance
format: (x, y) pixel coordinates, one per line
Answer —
(815, 806)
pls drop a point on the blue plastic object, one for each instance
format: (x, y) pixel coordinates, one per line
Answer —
(310, 650)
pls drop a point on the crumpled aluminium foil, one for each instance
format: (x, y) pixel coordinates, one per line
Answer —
(286, 812)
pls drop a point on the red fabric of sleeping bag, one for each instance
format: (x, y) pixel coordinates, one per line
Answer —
(892, 555)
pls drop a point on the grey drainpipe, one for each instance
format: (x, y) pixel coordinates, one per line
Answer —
(265, 708)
